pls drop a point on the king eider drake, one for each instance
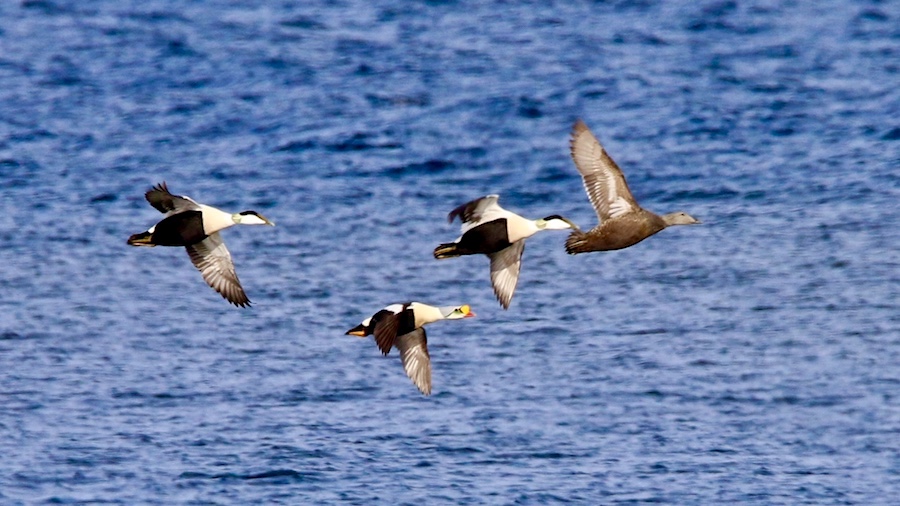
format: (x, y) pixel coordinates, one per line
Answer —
(400, 326)
(489, 229)
(622, 221)
(196, 227)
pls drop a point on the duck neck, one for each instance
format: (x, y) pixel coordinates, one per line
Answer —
(215, 219)
(518, 228)
(425, 314)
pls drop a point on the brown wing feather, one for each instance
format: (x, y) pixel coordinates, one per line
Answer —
(604, 182)
(386, 331)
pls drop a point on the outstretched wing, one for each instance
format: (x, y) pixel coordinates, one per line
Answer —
(413, 348)
(212, 259)
(164, 202)
(603, 180)
(505, 265)
(386, 324)
(478, 211)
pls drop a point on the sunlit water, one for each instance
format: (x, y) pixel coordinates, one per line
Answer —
(752, 359)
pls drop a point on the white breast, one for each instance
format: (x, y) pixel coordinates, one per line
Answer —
(214, 219)
(518, 228)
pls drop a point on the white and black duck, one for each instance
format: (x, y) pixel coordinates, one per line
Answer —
(490, 230)
(401, 326)
(196, 227)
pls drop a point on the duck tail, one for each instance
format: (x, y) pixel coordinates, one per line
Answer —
(142, 239)
(446, 250)
(577, 243)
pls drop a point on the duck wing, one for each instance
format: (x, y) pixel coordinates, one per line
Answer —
(413, 348)
(212, 259)
(385, 331)
(505, 265)
(164, 202)
(478, 211)
(604, 182)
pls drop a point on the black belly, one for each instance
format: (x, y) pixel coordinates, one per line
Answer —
(182, 229)
(486, 238)
(407, 322)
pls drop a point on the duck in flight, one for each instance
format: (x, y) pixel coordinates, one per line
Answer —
(623, 222)
(196, 227)
(491, 230)
(401, 326)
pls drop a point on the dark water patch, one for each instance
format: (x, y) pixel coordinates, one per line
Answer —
(104, 197)
(185, 108)
(303, 23)
(773, 88)
(892, 134)
(529, 108)
(382, 100)
(457, 450)
(190, 83)
(646, 332)
(871, 14)
(294, 452)
(275, 476)
(426, 168)
(360, 142)
(735, 399)
(158, 16)
(755, 195)
(296, 146)
(638, 37)
(70, 239)
(33, 136)
(555, 174)
(46, 7)
(178, 48)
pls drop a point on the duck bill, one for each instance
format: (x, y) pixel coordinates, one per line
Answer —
(358, 331)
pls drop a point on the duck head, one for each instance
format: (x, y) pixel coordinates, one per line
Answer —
(679, 218)
(250, 218)
(555, 222)
(457, 312)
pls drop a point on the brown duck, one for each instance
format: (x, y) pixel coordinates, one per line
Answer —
(622, 221)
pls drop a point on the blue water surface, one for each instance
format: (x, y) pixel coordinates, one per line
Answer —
(754, 359)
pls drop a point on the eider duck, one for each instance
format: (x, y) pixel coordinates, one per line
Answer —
(489, 229)
(622, 221)
(401, 326)
(196, 227)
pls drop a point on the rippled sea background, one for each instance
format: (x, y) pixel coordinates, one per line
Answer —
(754, 359)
